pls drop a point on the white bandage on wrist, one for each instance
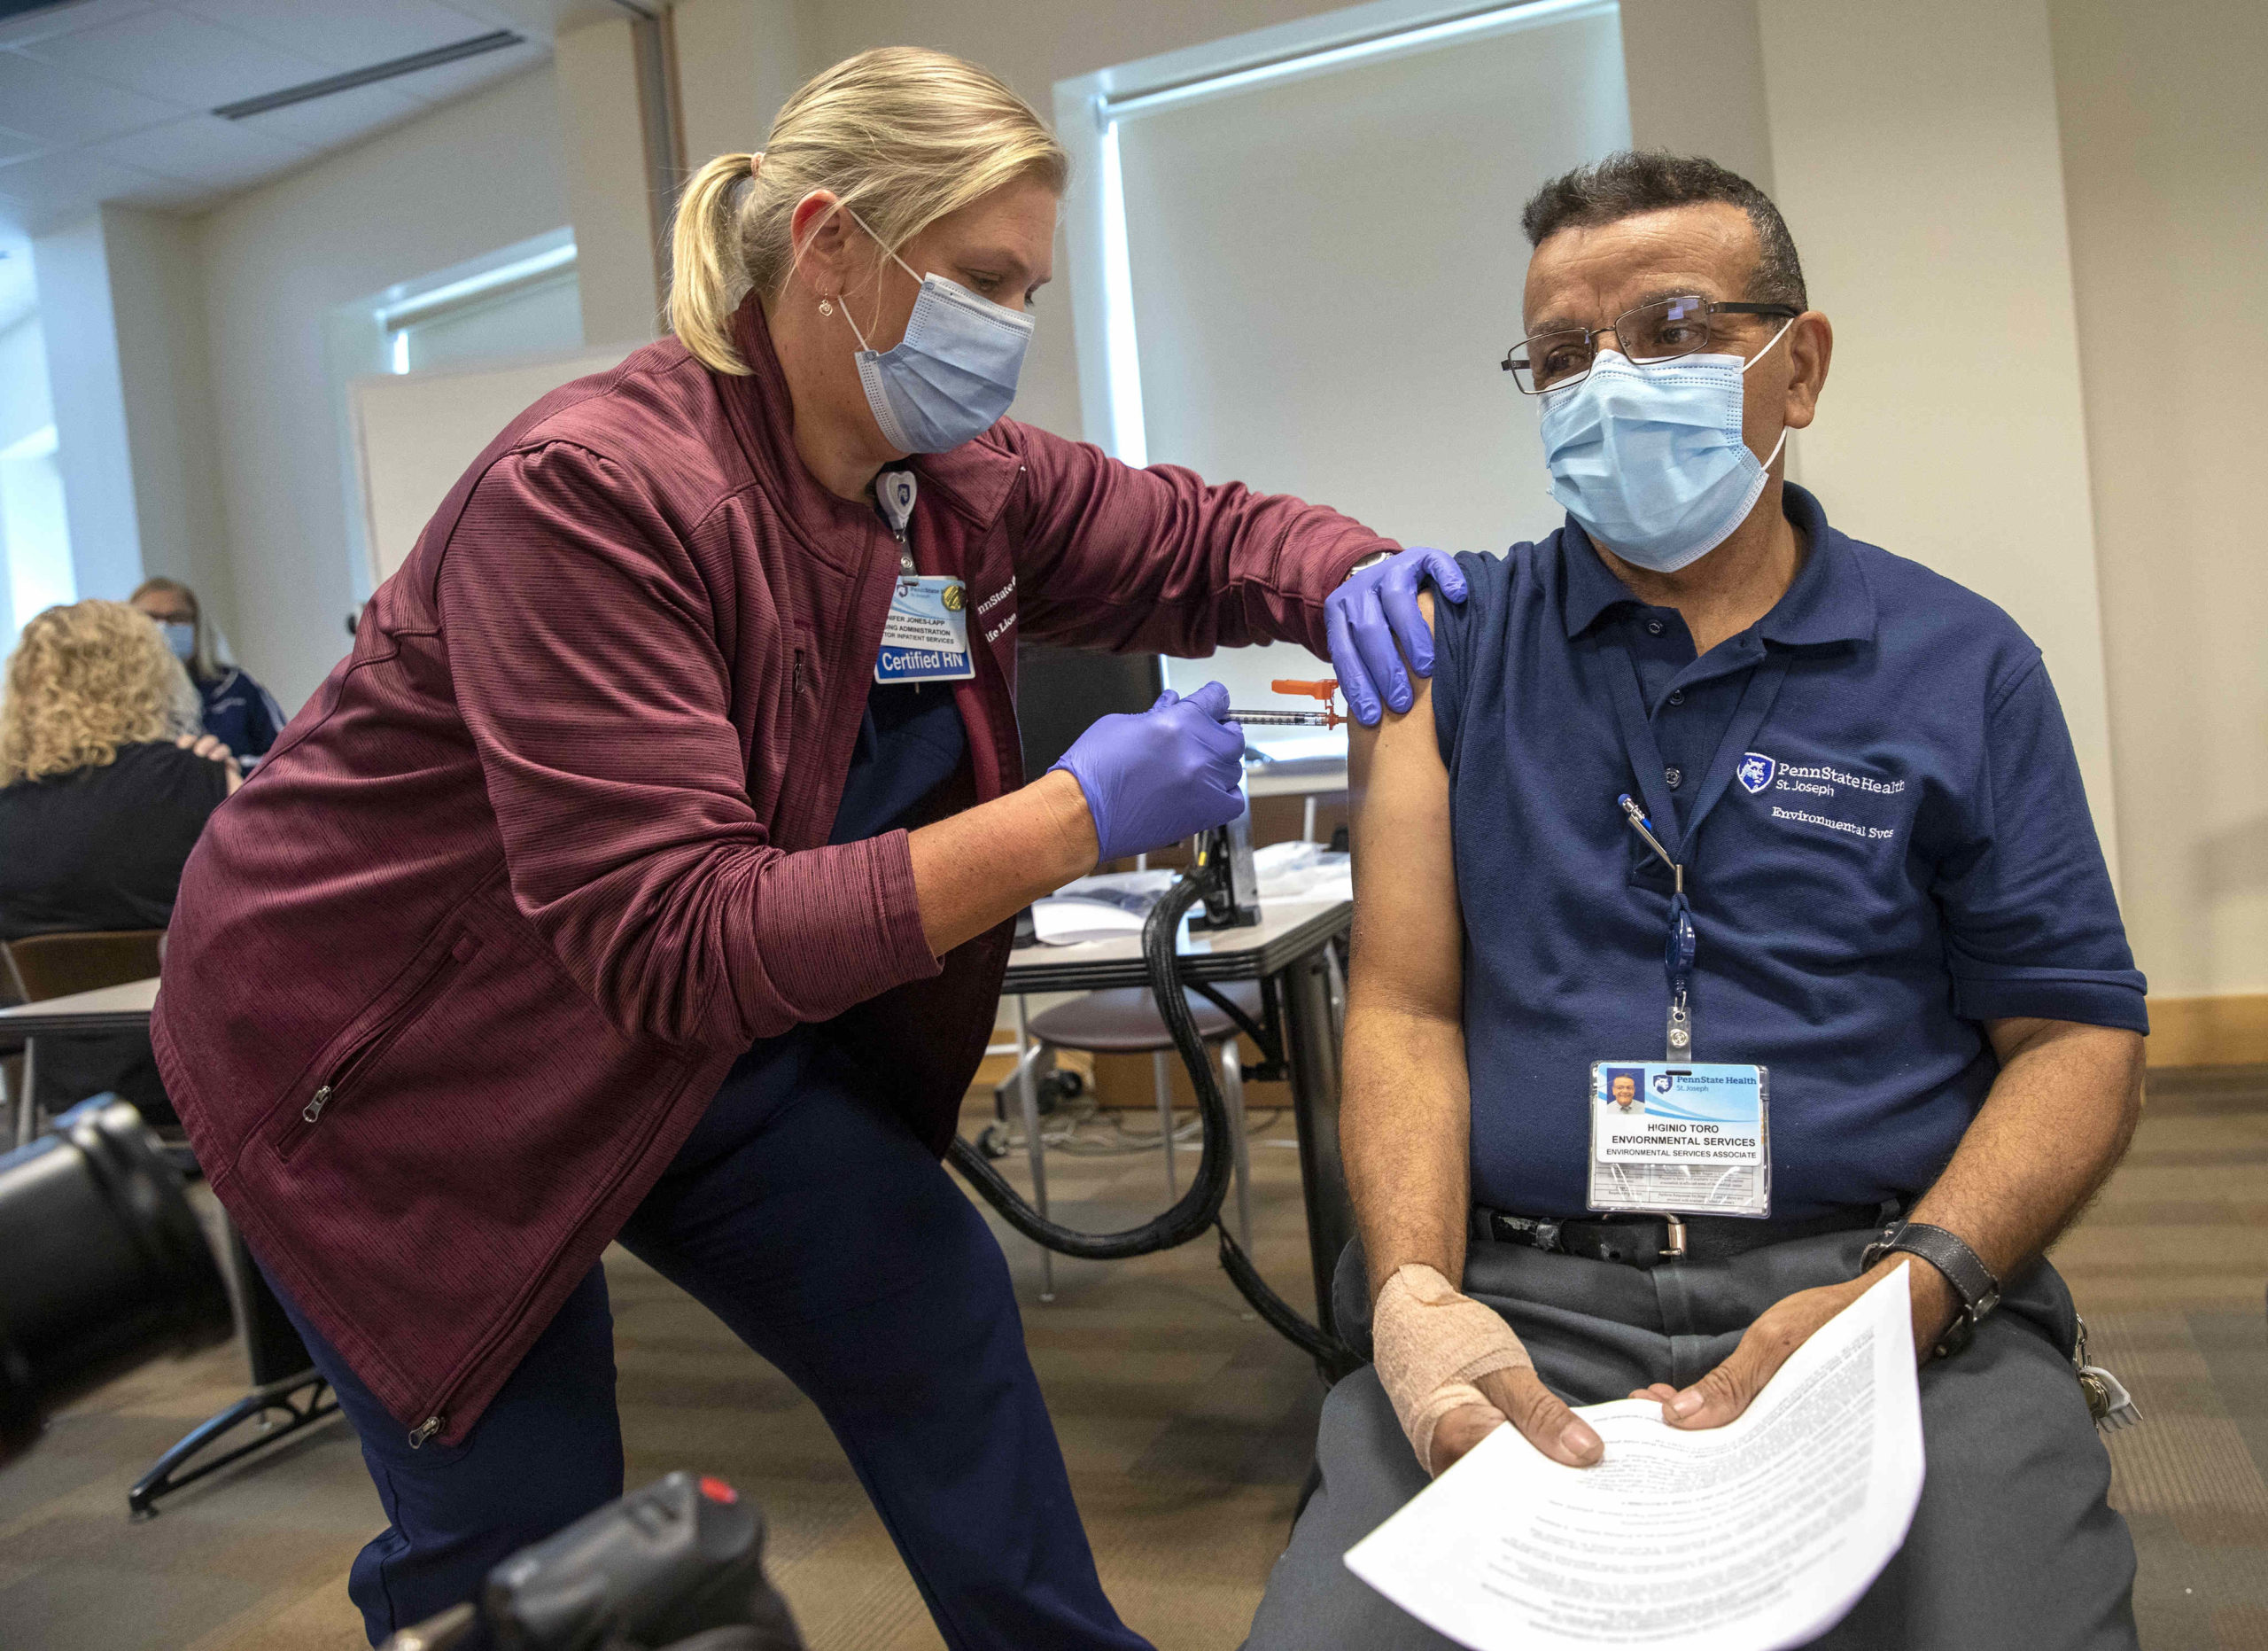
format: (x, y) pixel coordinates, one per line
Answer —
(1432, 1343)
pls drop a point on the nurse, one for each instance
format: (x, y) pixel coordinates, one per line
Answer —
(646, 870)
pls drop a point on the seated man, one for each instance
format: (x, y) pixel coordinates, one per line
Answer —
(1854, 782)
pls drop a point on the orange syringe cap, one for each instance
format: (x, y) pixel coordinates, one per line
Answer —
(1326, 690)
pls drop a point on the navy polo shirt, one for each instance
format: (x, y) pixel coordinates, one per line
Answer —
(1885, 839)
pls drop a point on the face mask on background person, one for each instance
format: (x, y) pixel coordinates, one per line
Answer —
(181, 638)
(953, 375)
(1650, 460)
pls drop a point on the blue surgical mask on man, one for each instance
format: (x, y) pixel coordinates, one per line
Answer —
(1649, 461)
(953, 375)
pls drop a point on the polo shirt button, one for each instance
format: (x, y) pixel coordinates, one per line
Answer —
(1677, 697)
(1653, 627)
(1674, 777)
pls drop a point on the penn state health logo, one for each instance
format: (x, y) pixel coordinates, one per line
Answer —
(1756, 771)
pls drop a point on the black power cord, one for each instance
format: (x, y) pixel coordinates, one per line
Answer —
(1200, 1207)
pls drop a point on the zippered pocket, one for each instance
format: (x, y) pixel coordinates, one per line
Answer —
(370, 1049)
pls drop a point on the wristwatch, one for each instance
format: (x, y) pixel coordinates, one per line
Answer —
(1372, 560)
(1971, 1279)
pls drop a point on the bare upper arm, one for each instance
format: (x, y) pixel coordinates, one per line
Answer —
(1409, 937)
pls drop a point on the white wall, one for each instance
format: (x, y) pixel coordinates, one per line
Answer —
(80, 328)
(158, 299)
(1924, 184)
(25, 405)
(462, 181)
(2165, 165)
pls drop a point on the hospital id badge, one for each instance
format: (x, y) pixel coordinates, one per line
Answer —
(925, 639)
(1680, 1138)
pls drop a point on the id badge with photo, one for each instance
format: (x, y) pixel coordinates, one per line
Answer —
(1680, 1138)
(925, 639)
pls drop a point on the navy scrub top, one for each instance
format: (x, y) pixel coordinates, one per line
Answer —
(909, 742)
(1893, 846)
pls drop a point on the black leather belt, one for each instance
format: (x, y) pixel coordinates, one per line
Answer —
(1646, 1240)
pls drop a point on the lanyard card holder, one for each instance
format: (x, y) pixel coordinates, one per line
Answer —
(925, 638)
(1680, 1138)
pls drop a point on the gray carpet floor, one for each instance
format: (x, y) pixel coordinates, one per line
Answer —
(1186, 1422)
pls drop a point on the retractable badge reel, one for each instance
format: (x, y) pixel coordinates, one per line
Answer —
(925, 638)
(1677, 1136)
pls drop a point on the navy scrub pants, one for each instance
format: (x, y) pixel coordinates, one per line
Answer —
(829, 1239)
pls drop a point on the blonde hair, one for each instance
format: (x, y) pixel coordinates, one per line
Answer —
(901, 135)
(85, 680)
(203, 663)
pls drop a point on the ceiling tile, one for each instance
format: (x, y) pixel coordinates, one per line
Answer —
(15, 145)
(536, 19)
(344, 34)
(48, 188)
(341, 118)
(454, 80)
(58, 108)
(183, 59)
(205, 150)
(63, 20)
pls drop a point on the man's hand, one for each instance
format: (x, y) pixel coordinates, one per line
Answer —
(1728, 1390)
(1518, 1397)
(1373, 619)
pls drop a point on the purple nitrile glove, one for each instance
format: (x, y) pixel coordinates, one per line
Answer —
(1156, 776)
(1372, 612)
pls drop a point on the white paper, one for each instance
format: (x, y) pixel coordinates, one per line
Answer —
(1750, 1537)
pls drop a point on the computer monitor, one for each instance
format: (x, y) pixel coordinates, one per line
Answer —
(1060, 692)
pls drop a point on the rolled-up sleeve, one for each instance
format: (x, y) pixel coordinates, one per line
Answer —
(584, 661)
(2033, 926)
(1159, 560)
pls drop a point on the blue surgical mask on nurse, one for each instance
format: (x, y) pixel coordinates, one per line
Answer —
(1650, 460)
(953, 375)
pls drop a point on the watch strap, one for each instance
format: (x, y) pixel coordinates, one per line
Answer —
(1971, 1279)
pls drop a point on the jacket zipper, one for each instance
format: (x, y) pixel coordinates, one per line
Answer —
(439, 1419)
(371, 1048)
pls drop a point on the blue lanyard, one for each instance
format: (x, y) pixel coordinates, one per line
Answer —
(1756, 702)
(1677, 955)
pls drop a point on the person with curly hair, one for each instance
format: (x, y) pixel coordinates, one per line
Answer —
(105, 783)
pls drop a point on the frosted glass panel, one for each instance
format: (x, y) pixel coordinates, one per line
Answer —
(539, 320)
(1326, 272)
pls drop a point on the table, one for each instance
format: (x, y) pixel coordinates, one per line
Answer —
(106, 1009)
(1291, 943)
(284, 1381)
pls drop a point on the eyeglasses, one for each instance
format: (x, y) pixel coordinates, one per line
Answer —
(1659, 331)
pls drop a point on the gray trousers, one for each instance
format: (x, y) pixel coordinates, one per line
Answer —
(2013, 1544)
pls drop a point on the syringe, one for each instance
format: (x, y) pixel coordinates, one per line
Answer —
(1324, 690)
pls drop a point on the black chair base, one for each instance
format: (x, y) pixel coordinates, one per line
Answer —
(284, 1382)
(303, 1400)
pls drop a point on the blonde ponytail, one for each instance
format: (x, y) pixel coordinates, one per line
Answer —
(902, 135)
(706, 285)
